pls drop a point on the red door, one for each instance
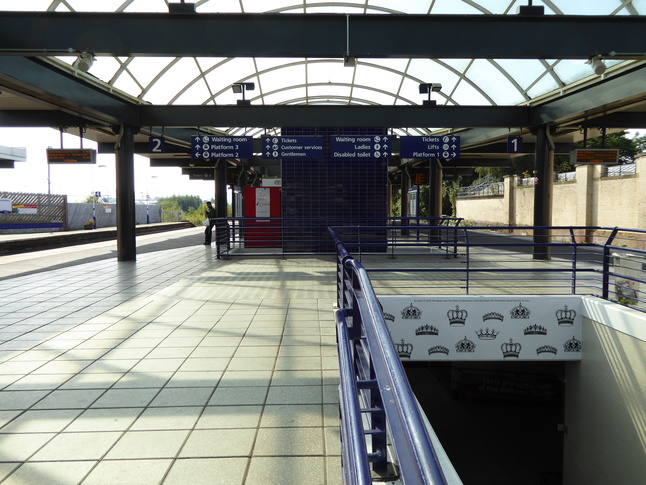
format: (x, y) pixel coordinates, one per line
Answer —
(262, 203)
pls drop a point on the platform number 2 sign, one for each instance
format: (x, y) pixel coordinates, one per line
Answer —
(156, 144)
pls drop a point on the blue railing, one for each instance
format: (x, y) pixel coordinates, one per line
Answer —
(605, 262)
(378, 408)
(443, 255)
(284, 236)
(382, 429)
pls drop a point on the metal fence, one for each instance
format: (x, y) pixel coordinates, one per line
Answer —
(440, 255)
(483, 190)
(604, 262)
(619, 170)
(244, 236)
(527, 181)
(565, 177)
(34, 212)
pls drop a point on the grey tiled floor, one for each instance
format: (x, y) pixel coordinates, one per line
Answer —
(175, 369)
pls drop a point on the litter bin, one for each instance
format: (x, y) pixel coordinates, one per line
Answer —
(627, 267)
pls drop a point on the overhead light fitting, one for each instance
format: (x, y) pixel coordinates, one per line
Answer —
(181, 7)
(240, 88)
(531, 9)
(83, 62)
(349, 61)
(598, 65)
(429, 88)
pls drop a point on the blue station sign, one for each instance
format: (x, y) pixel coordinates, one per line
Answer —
(292, 147)
(515, 144)
(447, 146)
(374, 146)
(156, 144)
(211, 146)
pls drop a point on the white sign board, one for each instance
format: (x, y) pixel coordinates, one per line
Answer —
(262, 203)
(484, 328)
(5, 206)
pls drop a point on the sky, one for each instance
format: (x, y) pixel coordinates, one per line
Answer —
(80, 180)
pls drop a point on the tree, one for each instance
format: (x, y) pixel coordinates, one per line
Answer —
(628, 148)
(168, 204)
(180, 202)
(397, 203)
(90, 199)
(640, 143)
(449, 194)
(519, 165)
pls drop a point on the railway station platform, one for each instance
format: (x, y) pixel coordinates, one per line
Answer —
(181, 368)
(177, 368)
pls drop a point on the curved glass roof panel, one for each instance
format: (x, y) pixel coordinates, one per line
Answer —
(467, 7)
(327, 81)
(323, 71)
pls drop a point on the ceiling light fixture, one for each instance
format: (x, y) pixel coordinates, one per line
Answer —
(349, 61)
(531, 9)
(429, 88)
(181, 7)
(83, 62)
(240, 88)
(598, 65)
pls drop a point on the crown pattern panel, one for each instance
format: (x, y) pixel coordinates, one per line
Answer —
(457, 316)
(485, 328)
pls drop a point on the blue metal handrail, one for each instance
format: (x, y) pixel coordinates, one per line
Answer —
(376, 374)
(356, 469)
(371, 372)
(292, 235)
(586, 267)
(448, 238)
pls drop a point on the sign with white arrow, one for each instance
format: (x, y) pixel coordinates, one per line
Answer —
(447, 146)
(374, 146)
(292, 147)
(210, 146)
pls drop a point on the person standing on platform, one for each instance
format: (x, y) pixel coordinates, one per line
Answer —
(210, 214)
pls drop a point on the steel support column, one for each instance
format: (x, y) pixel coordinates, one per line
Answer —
(434, 195)
(405, 185)
(221, 188)
(544, 167)
(434, 188)
(125, 151)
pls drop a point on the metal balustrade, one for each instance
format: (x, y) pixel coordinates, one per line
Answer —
(259, 236)
(565, 177)
(597, 261)
(441, 255)
(382, 430)
(620, 170)
(378, 408)
(384, 435)
(482, 190)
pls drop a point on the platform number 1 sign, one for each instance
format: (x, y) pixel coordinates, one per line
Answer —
(514, 144)
(156, 144)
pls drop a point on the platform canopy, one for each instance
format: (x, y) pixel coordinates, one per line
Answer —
(506, 55)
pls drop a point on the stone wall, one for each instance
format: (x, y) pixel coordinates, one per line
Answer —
(590, 200)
